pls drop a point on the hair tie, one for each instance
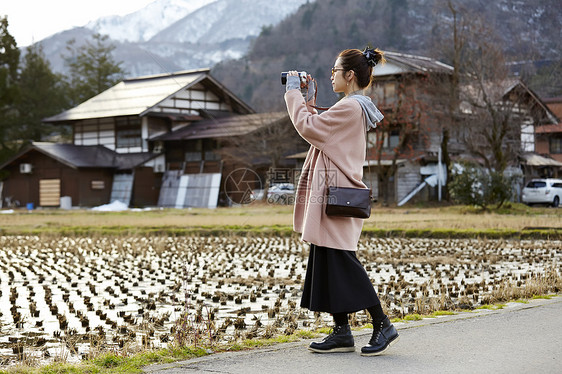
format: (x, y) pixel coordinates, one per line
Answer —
(371, 56)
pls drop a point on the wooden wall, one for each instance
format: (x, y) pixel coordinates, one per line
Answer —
(146, 187)
(76, 183)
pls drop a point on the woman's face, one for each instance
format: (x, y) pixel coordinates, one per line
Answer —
(339, 84)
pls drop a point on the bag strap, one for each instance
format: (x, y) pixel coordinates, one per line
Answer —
(366, 159)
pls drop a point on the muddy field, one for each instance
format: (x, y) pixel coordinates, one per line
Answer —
(63, 298)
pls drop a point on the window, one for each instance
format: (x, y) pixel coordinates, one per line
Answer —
(536, 184)
(371, 139)
(212, 156)
(390, 92)
(98, 185)
(394, 139)
(209, 147)
(555, 144)
(389, 140)
(128, 132)
(378, 93)
(193, 156)
(385, 93)
(194, 151)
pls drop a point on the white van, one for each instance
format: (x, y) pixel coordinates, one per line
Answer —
(543, 191)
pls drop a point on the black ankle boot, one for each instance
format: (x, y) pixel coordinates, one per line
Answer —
(384, 335)
(340, 340)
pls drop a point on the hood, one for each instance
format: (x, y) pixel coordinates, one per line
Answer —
(372, 113)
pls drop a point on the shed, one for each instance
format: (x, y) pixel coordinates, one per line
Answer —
(42, 173)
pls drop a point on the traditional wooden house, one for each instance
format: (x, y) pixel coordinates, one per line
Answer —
(544, 159)
(134, 142)
(405, 153)
(549, 138)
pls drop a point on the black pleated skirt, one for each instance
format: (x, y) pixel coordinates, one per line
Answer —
(336, 282)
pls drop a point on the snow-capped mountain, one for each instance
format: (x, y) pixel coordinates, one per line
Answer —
(227, 19)
(171, 35)
(142, 25)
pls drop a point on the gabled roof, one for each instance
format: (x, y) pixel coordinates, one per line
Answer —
(498, 90)
(549, 129)
(517, 84)
(140, 96)
(400, 63)
(224, 127)
(555, 105)
(77, 157)
(82, 156)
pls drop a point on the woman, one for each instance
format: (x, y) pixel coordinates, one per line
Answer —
(335, 281)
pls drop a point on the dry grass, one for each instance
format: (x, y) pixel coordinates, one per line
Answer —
(260, 215)
(538, 285)
(240, 216)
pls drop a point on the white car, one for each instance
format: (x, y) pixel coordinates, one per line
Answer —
(283, 193)
(543, 191)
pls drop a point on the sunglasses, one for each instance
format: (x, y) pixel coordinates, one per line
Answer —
(336, 69)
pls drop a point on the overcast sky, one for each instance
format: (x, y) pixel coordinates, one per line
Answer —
(32, 20)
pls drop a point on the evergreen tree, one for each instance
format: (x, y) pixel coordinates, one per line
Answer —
(9, 93)
(42, 95)
(92, 68)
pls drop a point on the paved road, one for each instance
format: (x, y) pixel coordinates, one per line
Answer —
(521, 338)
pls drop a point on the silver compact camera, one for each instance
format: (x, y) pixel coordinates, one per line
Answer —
(302, 76)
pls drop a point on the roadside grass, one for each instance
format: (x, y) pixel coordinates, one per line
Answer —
(492, 307)
(439, 313)
(109, 362)
(114, 363)
(419, 317)
(260, 343)
(545, 297)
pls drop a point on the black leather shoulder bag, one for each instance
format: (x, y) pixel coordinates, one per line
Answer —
(348, 201)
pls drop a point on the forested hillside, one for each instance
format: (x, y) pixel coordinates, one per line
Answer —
(311, 38)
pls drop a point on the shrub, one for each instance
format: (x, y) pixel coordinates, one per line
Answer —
(473, 185)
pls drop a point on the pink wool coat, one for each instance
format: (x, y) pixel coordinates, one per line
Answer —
(337, 144)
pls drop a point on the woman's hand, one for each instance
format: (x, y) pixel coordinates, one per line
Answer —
(311, 89)
(293, 81)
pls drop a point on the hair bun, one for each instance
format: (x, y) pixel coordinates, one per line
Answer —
(373, 56)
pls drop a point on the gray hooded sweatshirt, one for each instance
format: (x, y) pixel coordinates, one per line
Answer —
(372, 113)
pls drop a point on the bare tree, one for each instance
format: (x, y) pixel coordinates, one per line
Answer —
(494, 116)
(268, 139)
(449, 39)
(403, 131)
(481, 109)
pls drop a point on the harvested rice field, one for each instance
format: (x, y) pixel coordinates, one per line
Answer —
(62, 298)
(259, 215)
